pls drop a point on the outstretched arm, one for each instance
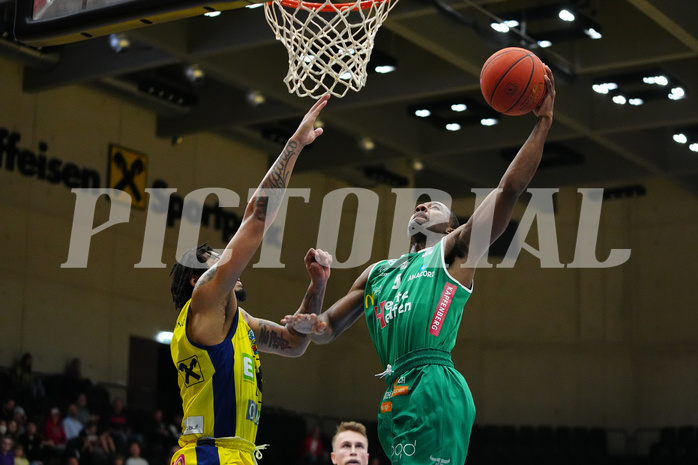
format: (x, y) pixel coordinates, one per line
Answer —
(467, 244)
(327, 326)
(284, 340)
(213, 303)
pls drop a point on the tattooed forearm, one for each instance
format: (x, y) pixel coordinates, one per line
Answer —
(271, 191)
(272, 339)
(278, 176)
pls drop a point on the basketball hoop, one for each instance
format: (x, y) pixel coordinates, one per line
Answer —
(329, 44)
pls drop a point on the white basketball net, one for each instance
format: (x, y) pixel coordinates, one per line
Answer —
(328, 51)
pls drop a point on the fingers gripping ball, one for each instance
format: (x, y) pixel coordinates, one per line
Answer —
(512, 81)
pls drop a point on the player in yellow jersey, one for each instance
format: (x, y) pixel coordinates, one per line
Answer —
(215, 343)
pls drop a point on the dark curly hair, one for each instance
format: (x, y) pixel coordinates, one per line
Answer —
(192, 263)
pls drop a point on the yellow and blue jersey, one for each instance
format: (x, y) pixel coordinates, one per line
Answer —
(220, 385)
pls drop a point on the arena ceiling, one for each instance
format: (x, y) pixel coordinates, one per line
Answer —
(439, 47)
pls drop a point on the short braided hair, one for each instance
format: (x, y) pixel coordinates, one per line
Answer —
(192, 263)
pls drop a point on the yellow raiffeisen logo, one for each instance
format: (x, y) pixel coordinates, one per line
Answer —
(128, 172)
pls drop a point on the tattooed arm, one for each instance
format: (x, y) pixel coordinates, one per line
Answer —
(213, 303)
(285, 340)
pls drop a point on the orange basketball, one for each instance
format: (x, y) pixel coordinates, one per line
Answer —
(512, 81)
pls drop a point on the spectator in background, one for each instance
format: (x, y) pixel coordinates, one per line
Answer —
(134, 455)
(83, 413)
(175, 426)
(71, 424)
(101, 444)
(74, 382)
(7, 411)
(18, 451)
(32, 444)
(26, 383)
(21, 418)
(313, 449)
(117, 425)
(80, 448)
(12, 430)
(159, 438)
(54, 433)
(7, 457)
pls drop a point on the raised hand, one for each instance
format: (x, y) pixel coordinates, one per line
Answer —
(318, 263)
(307, 132)
(545, 108)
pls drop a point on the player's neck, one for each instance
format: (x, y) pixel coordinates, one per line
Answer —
(421, 241)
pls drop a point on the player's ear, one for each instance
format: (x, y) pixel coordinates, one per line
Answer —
(449, 230)
(194, 278)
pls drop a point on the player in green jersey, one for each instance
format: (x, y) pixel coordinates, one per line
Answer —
(413, 307)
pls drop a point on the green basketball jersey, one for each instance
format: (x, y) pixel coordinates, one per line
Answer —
(413, 303)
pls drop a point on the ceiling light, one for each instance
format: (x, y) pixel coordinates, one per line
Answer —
(417, 164)
(256, 97)
(619, 99)
(693, 147)
(119, 42)
(658, 80)
(212, 14)
(319, 123)
(603, 88)
(500, 27)
(384, 69)
(544, 43)
(592, 33)
(635, 101)
(194, 73)
(642, 85)
(367, 144)
(382, 63)
(677, 93)
(566, 15)
(254, 5)
(345, 76)
(453, 113)
(489, 121)
(164, 337)
(680, 138)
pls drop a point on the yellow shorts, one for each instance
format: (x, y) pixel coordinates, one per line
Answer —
(227, 451)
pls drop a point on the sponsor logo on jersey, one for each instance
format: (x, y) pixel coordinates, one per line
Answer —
(421, 274)
(252, 339)
(193, 425)
(400, 390)
(190, 369)
(253, 412)
(387, 310)
(407, 449)
(442, 309)
(247, 367)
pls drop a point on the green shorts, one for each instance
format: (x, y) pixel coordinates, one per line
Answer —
(427, 412)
